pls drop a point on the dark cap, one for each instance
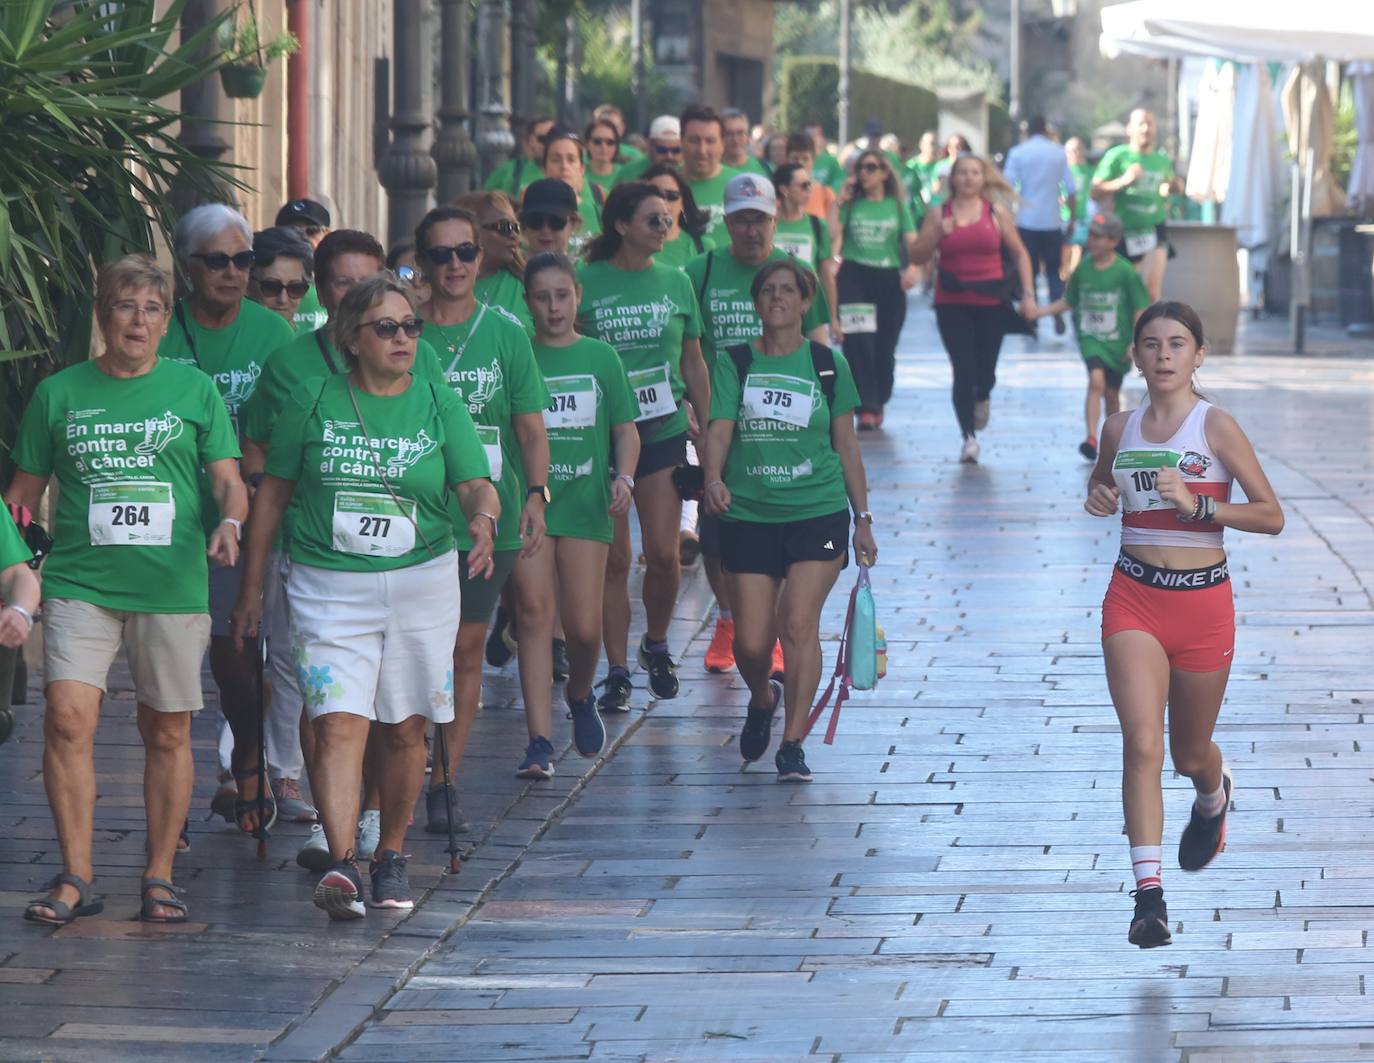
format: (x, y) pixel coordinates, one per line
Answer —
(1108, 225)
(549, 195)
(303, 212)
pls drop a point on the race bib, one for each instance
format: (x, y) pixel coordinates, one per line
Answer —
(138, 513)
(1098, 322)
(858, 317)
(781, 398)
(1135, 472)
(654, 392)
(373, 525)
(490, 438)
(798, 246)
(1142, 242)
(572, 402)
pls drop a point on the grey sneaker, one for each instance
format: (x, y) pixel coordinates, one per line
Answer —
(314, 854)
(291, 803)
(340, 892)
(369, 834)
(390, 886)
(436, 818)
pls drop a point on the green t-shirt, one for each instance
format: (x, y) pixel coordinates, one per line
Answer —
(628, 152)
(590, 211)
(310, 315)
(1139, 205)
(807, 239)
(12, 548)
(504, 289)
(752, 164)
(921, 177)
(127, 455)
(873, 231)
(710, 196)
(1105, 303)
(828, 171)
(487, 360)
(514, 176)
(782, 466)
(606, 181)
(680, 250)
(646, 315)
(588, 393)
(721, 285)
(633, 170)
(343, 516)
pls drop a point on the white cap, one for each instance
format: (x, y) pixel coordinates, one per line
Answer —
(665, 127)
(747, 191)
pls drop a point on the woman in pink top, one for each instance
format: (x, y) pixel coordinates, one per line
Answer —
(974, 287)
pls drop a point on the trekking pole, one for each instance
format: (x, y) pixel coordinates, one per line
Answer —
(454, 864)
(261, 832)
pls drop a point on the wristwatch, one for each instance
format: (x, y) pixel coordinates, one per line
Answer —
(865, 515)
(543, 492)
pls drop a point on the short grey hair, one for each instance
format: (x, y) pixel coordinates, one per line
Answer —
(354, 306)
(199, 225)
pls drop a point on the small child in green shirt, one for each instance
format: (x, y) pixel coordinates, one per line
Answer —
(1106, 296)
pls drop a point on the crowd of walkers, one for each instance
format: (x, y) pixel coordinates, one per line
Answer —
(349, 473)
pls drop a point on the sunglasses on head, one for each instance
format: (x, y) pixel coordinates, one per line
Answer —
(442, 255)
(668, 149)
(218, 261)
(273, 288)
(505, 227)
(386, 327)
(555, 222)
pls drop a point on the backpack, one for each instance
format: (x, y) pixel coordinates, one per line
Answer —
(822, 361)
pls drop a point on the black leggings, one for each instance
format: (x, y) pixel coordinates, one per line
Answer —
(872, 356)
(972, 336)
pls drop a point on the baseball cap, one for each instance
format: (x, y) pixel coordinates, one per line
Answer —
(665, 127)
(549, 195)
(747, 191)
(303, 212)
(1106, 225)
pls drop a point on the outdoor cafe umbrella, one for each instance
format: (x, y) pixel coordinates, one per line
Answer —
(1361, 190)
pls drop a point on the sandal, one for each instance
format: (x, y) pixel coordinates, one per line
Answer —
(64, 913)
(234, 808)
(147, 913)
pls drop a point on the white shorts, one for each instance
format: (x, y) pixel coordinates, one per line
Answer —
(376, 644)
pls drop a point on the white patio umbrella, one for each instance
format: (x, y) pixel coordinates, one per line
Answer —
(1361, 190)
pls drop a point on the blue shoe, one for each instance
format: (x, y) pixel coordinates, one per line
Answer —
(589, 733)
(538, 762)
(758, 726)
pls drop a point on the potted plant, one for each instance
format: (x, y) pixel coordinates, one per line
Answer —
(246, 54)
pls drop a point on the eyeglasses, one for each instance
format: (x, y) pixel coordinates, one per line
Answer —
(602, 142)
(406, 273)
(442, 255)
(667, 149)
(274, 288)
(505, 227)
(152, 311)
(667, 196)
(386, 327)
(659, 221)
(218, 261)
(870, 167)
(556, 222)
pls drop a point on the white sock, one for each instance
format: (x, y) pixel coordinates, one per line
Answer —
(1145, 863)
(1209, 805)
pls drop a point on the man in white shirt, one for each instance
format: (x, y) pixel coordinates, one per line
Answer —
(1038, 169)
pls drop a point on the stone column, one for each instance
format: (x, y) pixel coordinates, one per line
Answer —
(495, 141)
(454, 152)
(205, 112)
(407, 171)
(523, 30)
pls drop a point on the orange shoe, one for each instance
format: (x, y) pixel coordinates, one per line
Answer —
(720, 655)
(778, 667)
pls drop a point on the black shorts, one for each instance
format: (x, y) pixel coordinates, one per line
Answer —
(708, 532)
(1161, 234)
(665, 454)
(748, 546)
(1114, 378)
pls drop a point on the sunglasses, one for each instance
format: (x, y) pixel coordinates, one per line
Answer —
(386, 328)
(505, 227)
(442, 255)
(312, 230)
(870, 167)
(659, 221)
(274, 288)
(669, 197)
(663, 149)
(602, 142)
(406, 273)
(218, 261)
(544, 221)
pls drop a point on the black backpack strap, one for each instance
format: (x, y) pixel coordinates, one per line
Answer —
(742, 356)
(705, 280)
(816, 232)
(696, 242)
(823, 362)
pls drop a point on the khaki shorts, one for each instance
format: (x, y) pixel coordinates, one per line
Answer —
(80, 641)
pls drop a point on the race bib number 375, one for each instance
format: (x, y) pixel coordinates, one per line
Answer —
(782, 398)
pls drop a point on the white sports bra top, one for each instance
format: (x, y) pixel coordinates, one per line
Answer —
(1146, 519)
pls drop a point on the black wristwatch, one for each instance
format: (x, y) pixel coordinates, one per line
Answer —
(543, 492)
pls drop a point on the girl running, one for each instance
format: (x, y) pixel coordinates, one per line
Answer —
(1168, 621)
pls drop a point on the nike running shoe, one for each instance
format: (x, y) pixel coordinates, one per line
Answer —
(720, 655)
(1150, 923)
(662, 671)
(1204, 837)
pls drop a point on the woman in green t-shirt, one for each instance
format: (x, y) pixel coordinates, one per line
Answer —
(782, 467)
(877, 235)
(563, 161)
(591, 407)
(283, 262)
(603, 144)
(126, 436)
(366, 460)
(687, 238)
(500, 280)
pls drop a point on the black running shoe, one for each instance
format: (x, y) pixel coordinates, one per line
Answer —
(501, 640)
(1203, 838)
(340, 892)
(662, 671)
(1088, 448)
(617, 687)
(758, 727)
(589, 733)
(390, 887)
(560, 660)
(436, 818)
(1150, 923)
(791, 763)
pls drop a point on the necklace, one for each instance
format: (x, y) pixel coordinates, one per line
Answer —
(457, 349)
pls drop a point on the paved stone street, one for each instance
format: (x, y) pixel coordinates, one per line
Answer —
(952, 886)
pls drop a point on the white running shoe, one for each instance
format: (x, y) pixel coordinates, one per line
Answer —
(314, 854)
(369, 834)
(982, 413)
(969, 454)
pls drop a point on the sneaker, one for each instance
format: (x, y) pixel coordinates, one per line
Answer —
(757, 731)
(589, 733)
(868, 421)
(340, 892)
(1088, 448)
(369, 833)
(791, 763)
(662, 671)
(1203, 838)
(968, 455)
(538, 762)
(688, 548)
(291, 803)
(436, 818)
(982, 414)
(720, 655)
(390, 887)
(1150, 923)
(560, 660)
(501, 640)
(778, 670)
(314, 855)
(617, 687)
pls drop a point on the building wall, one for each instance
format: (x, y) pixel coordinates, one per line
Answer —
(736, 29)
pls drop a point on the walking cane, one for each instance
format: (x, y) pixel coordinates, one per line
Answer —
(262, 832)
(454, 864)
